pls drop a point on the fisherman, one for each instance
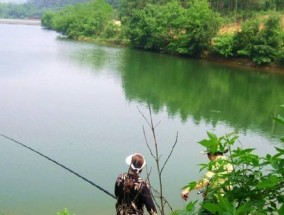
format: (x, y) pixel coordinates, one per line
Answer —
(211, 183)
(133, 192)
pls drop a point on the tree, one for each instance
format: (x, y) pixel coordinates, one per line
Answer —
(268, 41)
(198, 25)
(153, 27)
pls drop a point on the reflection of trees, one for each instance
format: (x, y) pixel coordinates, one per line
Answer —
(202, 91)
(98, 57)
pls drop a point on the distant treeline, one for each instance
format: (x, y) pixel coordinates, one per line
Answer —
(180, 27)
(238, 8)
(36, 8)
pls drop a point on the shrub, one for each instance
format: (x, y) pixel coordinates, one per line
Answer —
(89, 19)
(260, 44)
(47, 19)
(224, 45)
(198, 25)
(268, 41)
(256, 184)
(245, 38)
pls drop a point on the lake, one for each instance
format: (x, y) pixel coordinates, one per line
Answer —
(80, 103)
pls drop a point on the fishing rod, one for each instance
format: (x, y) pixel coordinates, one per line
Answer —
(59, 164)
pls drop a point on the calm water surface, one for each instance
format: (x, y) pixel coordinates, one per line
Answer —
(78, 103)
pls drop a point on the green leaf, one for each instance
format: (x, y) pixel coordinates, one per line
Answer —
(280, 150)
(281, 210)
(191, 206)
(278, 118)
(225, 203)
(243, 209)
(205, 143)
(213, 208)
(269, 182)
(190, 185)
(212, 136)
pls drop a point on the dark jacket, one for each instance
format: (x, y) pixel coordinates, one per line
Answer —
(132, 194)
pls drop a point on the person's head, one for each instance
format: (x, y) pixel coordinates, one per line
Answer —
(136, 162)
(213, 155)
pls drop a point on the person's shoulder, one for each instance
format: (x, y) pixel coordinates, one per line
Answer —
(121, 176)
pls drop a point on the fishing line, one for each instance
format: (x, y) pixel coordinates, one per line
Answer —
(59, 164)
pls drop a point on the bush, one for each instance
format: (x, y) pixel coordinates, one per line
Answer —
(256, 184)
(89, 19)
(197, 26)
(268, 41)
(47, 19)
(245, 38)
(224, 45)
(170, 27)
(260, 44)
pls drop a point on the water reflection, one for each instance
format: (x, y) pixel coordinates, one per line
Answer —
(244, 99)
(203, 91)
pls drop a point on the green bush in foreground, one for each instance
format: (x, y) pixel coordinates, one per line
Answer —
(255, 186)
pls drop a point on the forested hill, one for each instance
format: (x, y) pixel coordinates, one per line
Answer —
(36, 8)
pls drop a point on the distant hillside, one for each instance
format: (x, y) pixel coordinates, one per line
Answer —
(13, 1)
(23, 9)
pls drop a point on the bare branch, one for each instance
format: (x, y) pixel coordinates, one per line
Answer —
(147, 144)
(173, 147)
(144, 116)
(157, 124)
(157, 156)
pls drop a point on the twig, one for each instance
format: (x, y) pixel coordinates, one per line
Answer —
(170, 153)
(145, 137)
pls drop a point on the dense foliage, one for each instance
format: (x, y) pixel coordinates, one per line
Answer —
(170, 27)
(263, 44)
(36, 8)
(245, 8)
(255, 186)
(33, 8)
(183, 27)
(80, 20)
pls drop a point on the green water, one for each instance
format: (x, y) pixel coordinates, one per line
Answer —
(78, 103)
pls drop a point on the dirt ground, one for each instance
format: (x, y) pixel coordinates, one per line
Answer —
(234, 27)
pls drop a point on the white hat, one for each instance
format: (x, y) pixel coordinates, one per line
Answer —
(128, 161)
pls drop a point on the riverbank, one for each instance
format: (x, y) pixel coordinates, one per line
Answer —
(236, 62)
(21, 21)
(244, 63)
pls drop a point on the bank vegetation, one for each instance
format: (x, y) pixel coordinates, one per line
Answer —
(242, 31)
(192, 28)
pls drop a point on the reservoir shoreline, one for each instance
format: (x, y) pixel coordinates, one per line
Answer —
(21, 21)
(237, 62)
